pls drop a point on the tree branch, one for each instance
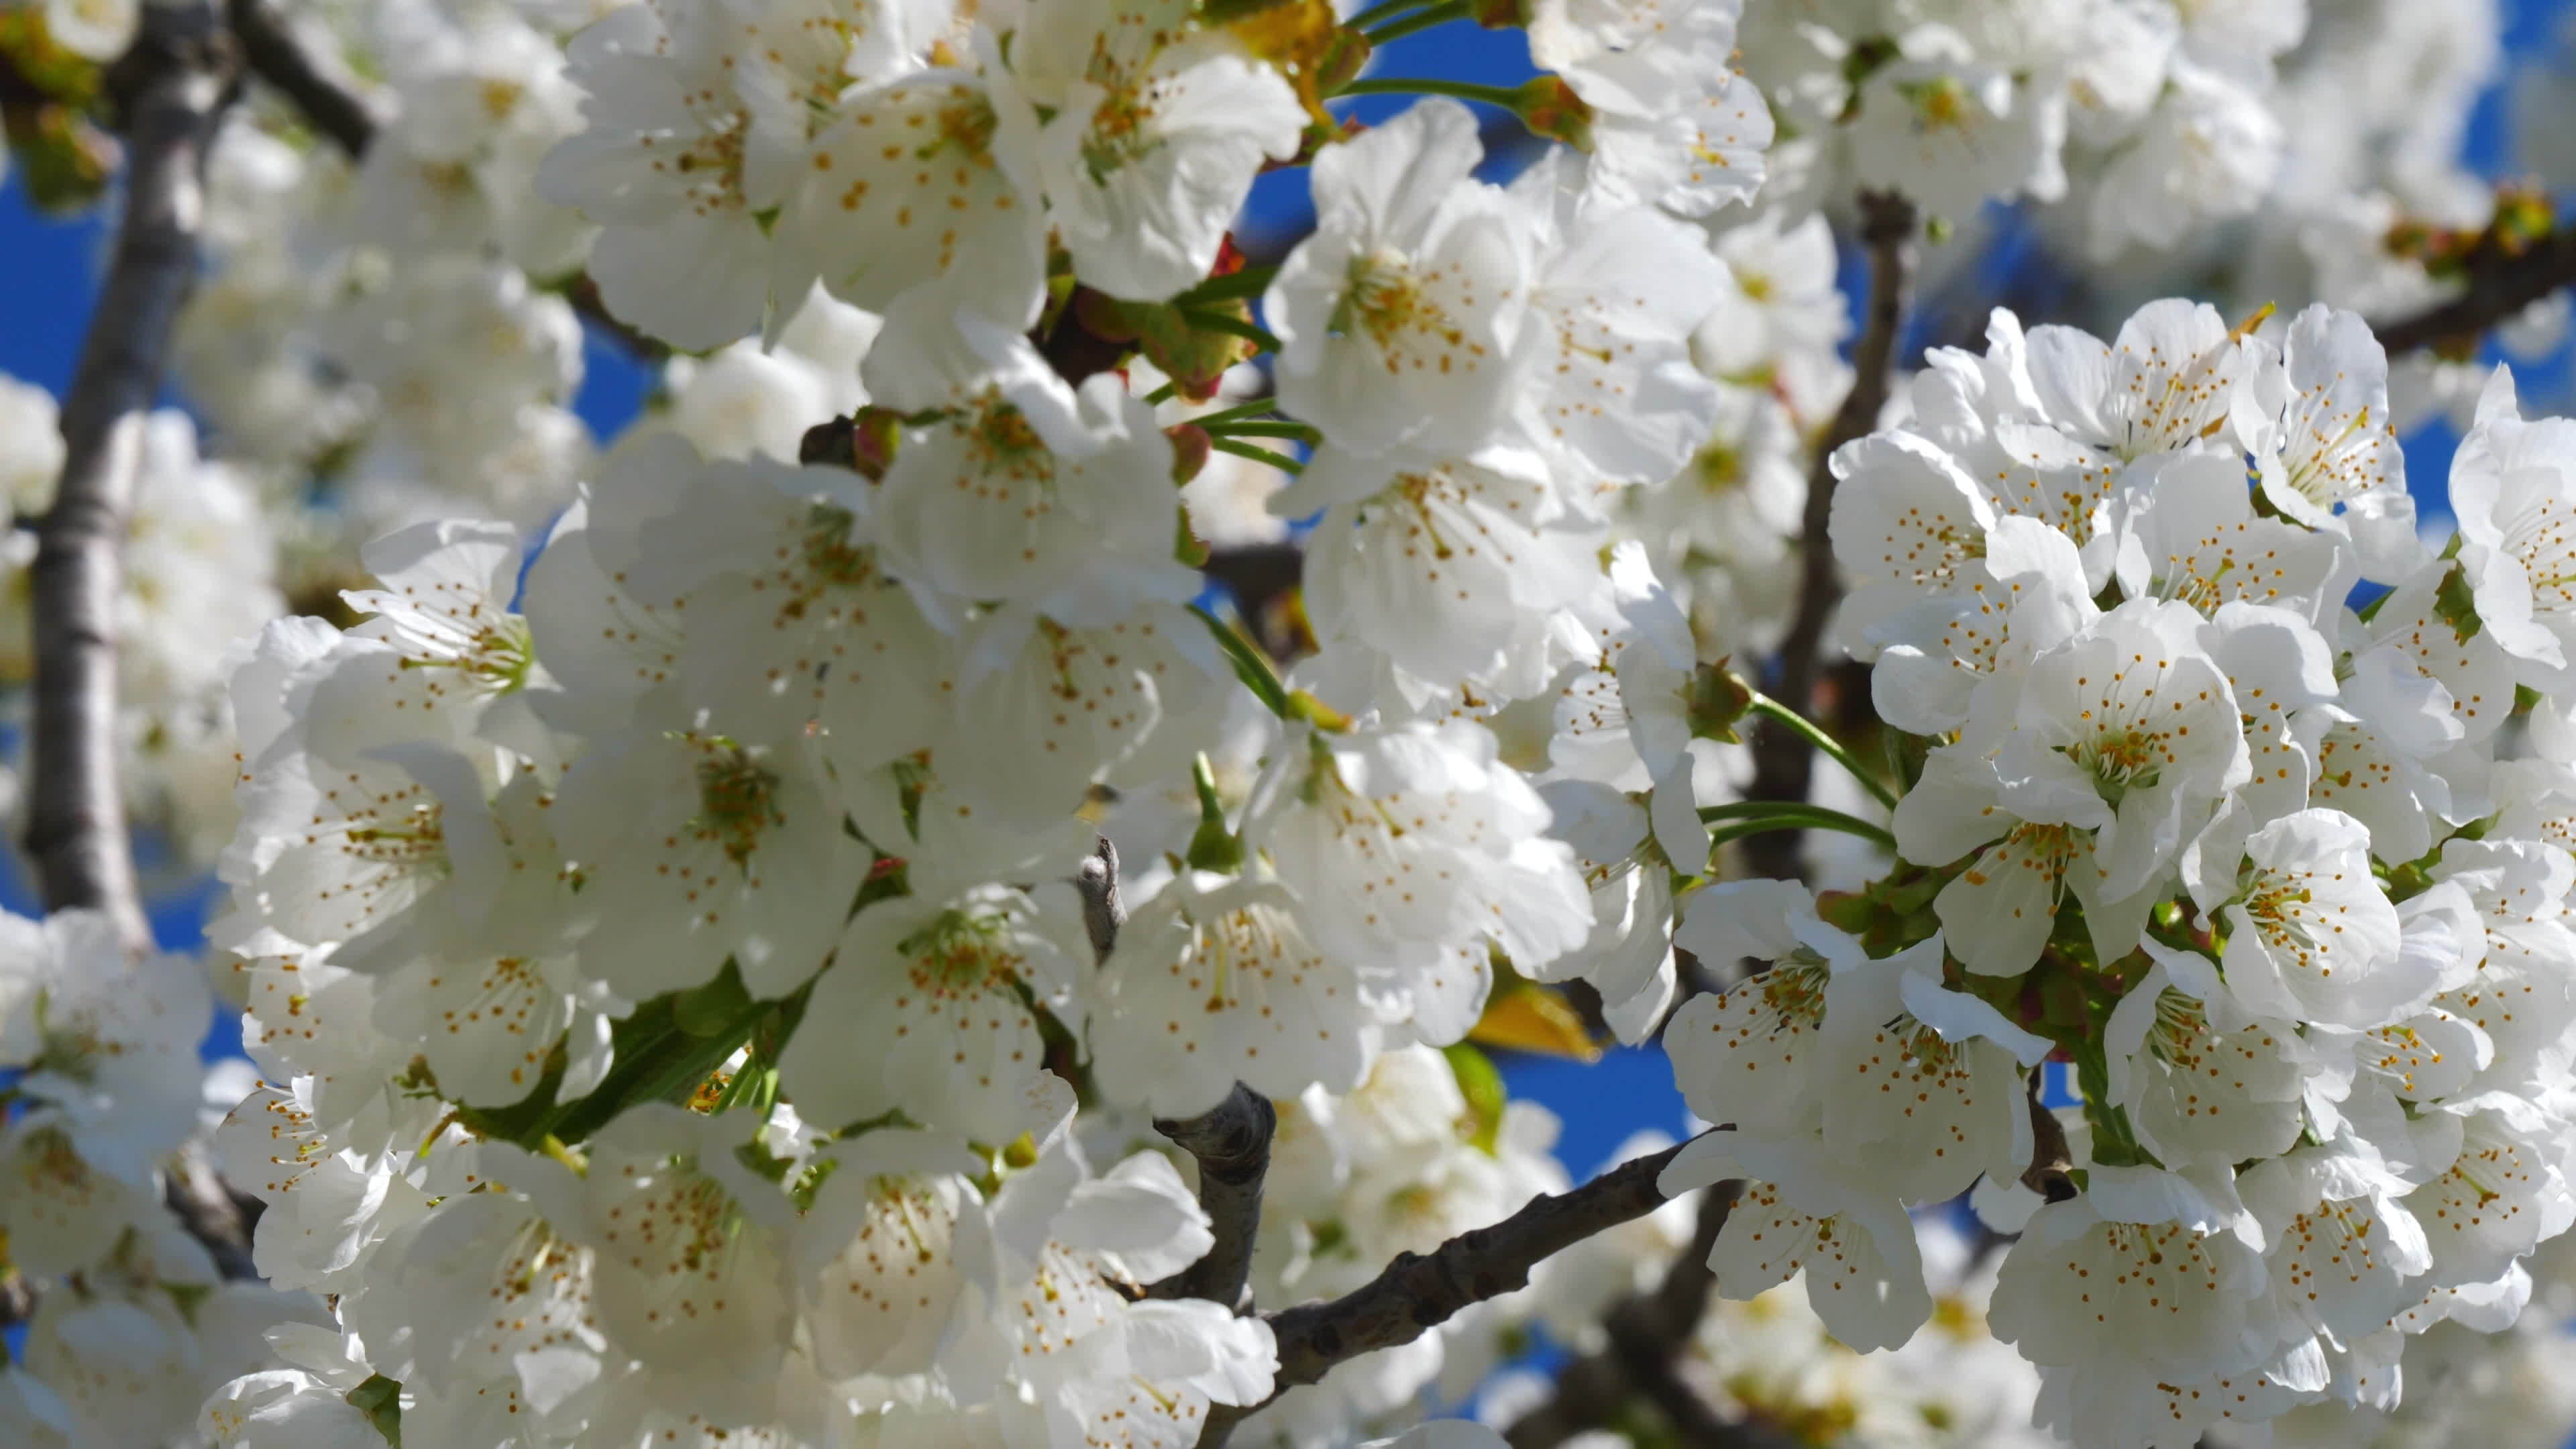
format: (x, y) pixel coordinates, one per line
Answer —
(274, 55)
(1231, 1140)
(1232, 1144)
(216, 1216)
(171, 89)
(1420, 1291)
(2499, 287)
(1103, 910)
(1783, 762)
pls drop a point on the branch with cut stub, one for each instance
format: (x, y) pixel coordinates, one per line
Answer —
(1230, 1141)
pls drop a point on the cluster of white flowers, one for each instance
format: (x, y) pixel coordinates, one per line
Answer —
(101, 1086)
(1772, 1360)
(370, 324)
(766, 783)
(2150, 119)
(717, 926)
(2251, 861)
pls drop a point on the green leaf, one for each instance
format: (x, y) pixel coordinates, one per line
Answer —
(380, 1399)
(1482, 1086)
(2456, 605)
(708, 1010)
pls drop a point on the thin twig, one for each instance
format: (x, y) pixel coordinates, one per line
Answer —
(1783, 760)
(1420, 1291)
(171, 90)
(1103, 910)
(272, 53)
(2499, 287)
(219, 1218)
(1232, 1144)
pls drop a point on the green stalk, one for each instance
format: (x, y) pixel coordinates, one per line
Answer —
(1206, 321)
(1233, 286)
(1765, 705)
(1380, 10)
(1280, 461)
(1507, 97)
(1259, 428)
(1440, 14)
(1250, 664)
(1259, 407)
(1821, 820)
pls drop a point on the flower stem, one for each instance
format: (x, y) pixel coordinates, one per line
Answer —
(1257, 408)
(1212, 846)
(1260, 428)
(1440, 14)
(1754, 817)
(1832, 820)
(1250, 664)
(1381, 10)
(1245, 282)
(1507, 97)
(1280, 461)
(1764, 704)
(1252, 332)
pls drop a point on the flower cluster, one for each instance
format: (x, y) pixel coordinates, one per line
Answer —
(2150, 119)
(106, 1110)
(765, 788)
(2249, 860)
(738, 927)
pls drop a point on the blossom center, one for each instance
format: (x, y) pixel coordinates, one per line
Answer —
(1001, 439)
(959, 954)
(737, 800)
(1385, 300)
(2121, 760)
(407, 836)
(2179, 1035)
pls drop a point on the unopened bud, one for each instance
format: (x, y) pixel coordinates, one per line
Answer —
(1188, 549)
(864, 443)
(1551, 109)
(1190, 450)
(1341, 61)
(1715, 702)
